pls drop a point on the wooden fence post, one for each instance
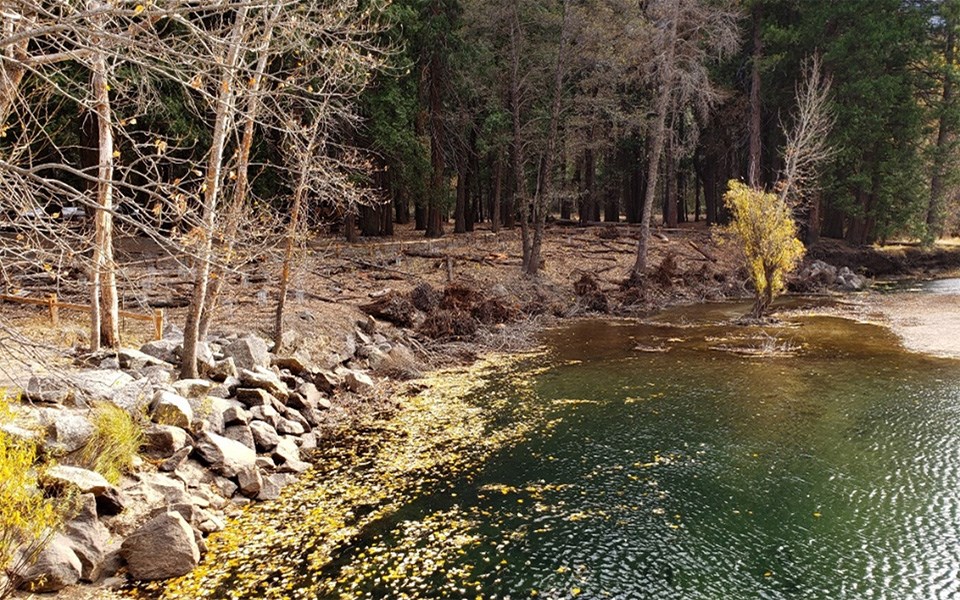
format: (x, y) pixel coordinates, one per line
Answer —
(158, 323)
(54, 309)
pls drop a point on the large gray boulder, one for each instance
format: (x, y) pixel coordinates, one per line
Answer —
(164, 349)
(164, 440)
(224, 455)
(162, 548)
(172, 409)
(66, 431)
(135, 360)
(81, 480)
(87, 537)
(56, 567)
(248, 353)
(265, 379)
(264, 435)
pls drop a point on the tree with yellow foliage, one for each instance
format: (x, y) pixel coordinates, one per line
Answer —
(28, 519)
(763, 225)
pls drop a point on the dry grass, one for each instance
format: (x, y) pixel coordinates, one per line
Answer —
(115, 443)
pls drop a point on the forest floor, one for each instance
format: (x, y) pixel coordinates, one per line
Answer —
(582, 273)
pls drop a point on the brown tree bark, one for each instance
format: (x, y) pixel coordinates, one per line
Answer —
(242, 185)
(225, 112)
(936, 210)
(105, 319)
(753, 165)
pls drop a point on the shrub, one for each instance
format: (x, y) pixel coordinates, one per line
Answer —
(764, 227)
(115, 443)
(28, 520)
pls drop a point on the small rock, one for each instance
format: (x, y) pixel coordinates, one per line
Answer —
(250, 481)
(82, 480)
(240, 433)
(265, 379)
(111, 502)
(326, 381)
(265, 463)
(48, 390)
(273, 484)
(163, 350)
(193, 389)
(56, 567)
(162, 548)
(66, 430)
(310, 396)
(254, 397)
(289, 427)
(87, 537)
(158, 376)
(248, 353)
(308, 442)
(172, 409)
(223, 370)
(236, 415)
(223, 454)
(164, 440)
(296, 363)
(357, 381)
(267, 414)
(286, 451)
(264, 435)
(176, 460)
(136, 360)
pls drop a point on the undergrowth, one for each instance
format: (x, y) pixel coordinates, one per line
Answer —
(28, 519)
(115, 443)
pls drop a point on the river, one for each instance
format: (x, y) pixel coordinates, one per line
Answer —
(680, 458)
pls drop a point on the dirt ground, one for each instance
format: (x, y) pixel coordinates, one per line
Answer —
(332, 279)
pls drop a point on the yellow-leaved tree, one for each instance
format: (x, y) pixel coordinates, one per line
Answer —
(28, 519)
(763, 225)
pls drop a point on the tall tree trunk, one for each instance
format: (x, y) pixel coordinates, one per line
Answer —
(12, 69)
(653, 167)
(105, 320)
(589, 185)
(753, 166)
(225, 114)
(520, 205)
(935, 210)
(242, 184)
(541, 204)
(463, 193)
(497, 193)
(291, 242)
(670, 185)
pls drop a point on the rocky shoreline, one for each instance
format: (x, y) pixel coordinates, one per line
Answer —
(210, 446)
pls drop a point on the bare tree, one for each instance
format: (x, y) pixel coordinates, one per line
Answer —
(807, 134)
(689, 36)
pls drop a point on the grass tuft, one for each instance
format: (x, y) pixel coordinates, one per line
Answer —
(115, 443)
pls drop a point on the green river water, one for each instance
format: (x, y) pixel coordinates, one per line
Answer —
(679, 458)
(695, 472)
